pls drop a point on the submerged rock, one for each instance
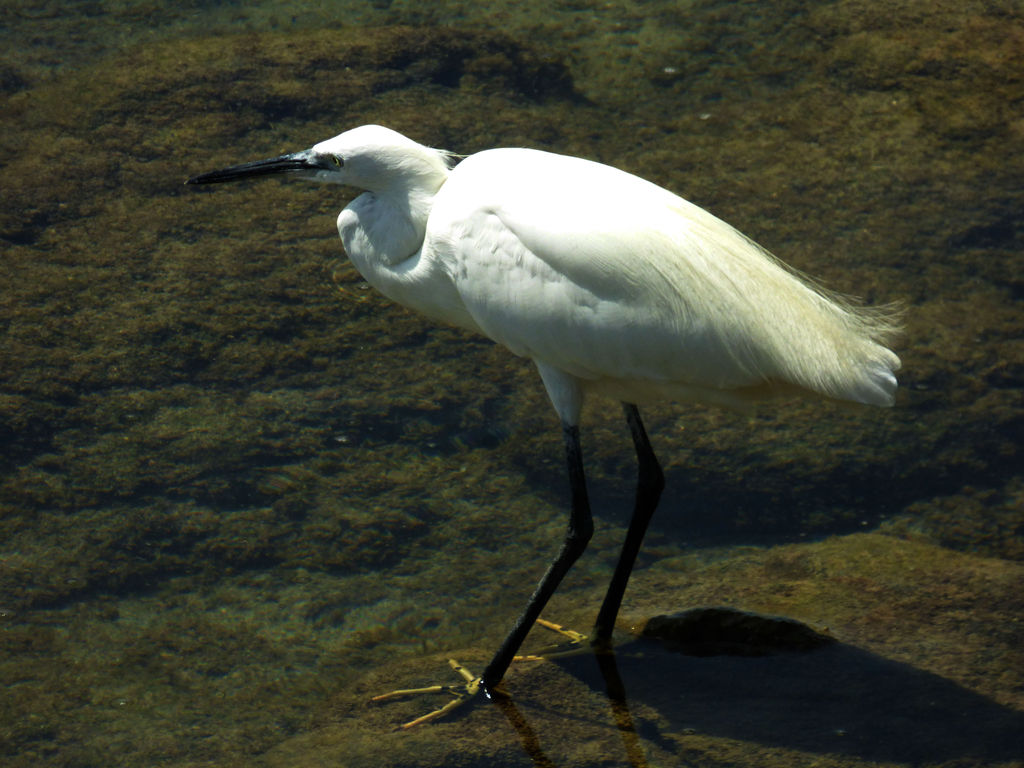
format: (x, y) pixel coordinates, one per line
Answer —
(721, 631)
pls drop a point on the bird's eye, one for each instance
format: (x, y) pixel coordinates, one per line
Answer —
(337, 161)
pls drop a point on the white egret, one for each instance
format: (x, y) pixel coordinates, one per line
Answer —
(609, 283)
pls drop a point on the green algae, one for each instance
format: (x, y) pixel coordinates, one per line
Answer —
(241, 493)
(895, 611)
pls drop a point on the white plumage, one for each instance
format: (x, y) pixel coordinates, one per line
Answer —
(609, 283)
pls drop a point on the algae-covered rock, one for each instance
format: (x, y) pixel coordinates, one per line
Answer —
(727, 631)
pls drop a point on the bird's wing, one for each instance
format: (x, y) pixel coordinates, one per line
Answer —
(605, 276)
(598, 273)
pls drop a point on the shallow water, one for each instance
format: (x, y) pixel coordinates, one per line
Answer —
(241, 493)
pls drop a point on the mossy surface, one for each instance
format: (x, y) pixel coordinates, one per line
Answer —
(240, 492)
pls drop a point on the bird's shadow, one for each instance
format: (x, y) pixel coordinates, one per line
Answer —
(836, 699)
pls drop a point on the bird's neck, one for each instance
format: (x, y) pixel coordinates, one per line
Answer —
(384, 227)
(383, 236)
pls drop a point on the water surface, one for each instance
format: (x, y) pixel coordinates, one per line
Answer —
(241, 493)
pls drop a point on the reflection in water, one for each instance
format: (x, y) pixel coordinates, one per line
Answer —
(620, 708)
(531, 742)
(634, 750)
(835, 699)
(577, 644)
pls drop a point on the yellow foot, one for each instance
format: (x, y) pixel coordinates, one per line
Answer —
(462, 694)
(574, 643)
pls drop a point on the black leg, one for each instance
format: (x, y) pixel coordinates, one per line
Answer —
(576, 537)
(650, 482)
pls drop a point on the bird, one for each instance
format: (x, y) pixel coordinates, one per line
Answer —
(610, 284)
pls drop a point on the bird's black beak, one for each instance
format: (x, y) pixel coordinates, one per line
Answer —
(306, 163)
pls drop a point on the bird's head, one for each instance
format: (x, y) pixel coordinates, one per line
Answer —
(370, 157)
